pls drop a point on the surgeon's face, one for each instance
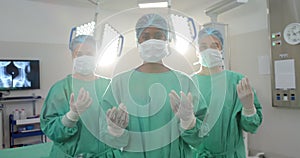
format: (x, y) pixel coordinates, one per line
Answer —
(210, 42)
(152, 33)
(84, 49)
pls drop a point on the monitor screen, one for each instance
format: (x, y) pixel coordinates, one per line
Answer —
(19, 74)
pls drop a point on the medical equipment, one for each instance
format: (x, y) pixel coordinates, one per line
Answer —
(284, 27)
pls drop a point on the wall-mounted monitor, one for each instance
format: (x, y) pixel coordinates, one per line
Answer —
(19, 74)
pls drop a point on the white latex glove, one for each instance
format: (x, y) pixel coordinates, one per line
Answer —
(77, 107)
(183, 109)
(246, 95)
(117, 120)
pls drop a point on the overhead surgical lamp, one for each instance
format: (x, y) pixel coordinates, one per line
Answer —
(221, 7)
(154, 3)
(87, 28)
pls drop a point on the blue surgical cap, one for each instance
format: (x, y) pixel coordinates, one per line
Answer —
(149, 20)
(208, 31)
(82, 39)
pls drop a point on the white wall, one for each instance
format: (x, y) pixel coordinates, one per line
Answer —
(38, 31)
(55, 63)
(278, 135)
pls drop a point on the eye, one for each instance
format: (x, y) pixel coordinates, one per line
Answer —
(158, 35)
(214, 46)
(81, 53)
(203, 47)
(145, 37)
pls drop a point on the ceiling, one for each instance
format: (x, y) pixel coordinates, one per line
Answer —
(182, 5)
(190, 7)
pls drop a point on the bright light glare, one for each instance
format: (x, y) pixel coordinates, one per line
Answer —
(181, 45)
(154, 5)
(86, 29)
(109, 54)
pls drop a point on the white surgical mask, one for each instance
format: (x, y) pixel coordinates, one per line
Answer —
(84, 65)
(153, 50)
(210, 58)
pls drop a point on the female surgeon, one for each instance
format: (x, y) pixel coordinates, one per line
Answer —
(71, 115)
(156, 129)
(232, 104)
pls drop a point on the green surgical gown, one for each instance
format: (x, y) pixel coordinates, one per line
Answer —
(154, 131)
(83, 139)
(225, 139)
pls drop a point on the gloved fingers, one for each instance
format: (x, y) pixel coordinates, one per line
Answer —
(190, 97)
(174, 94)
(174, 105)
(185, 101)
(112, 115)
(175, 98)
(85, 96)
(72, 99)
(108, 113)
(80, 94)
(121, 116)
(242, 84)
(248, 86)
(239, 88)
(124, 119)
(89, 103)
(122, 107)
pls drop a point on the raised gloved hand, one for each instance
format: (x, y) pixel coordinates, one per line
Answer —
(117, 120)
(77, 107)
(183, 109)
(246, 95)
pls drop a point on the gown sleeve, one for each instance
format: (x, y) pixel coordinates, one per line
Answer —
(54, 109)
(191, 136)
(251, 123)
(109, 101)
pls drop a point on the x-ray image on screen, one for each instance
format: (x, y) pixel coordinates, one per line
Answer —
(19, 74)
(6, 78)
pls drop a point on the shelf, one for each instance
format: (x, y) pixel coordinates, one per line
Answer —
(14, 124)
(26, 121)
(30, 130)
(27, 134)
(20, 99)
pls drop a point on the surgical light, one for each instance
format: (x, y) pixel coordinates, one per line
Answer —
(85, 29)
(153, 3)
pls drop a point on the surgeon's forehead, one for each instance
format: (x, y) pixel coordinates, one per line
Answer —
(85, 49)
(209, 39)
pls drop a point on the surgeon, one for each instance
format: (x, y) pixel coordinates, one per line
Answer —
(156, 127)
(72, 115)
(233, 106)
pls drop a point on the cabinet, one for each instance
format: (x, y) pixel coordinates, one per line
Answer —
(24, 128)
(17, 128)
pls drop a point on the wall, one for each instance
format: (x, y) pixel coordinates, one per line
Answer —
(33, 30)
(55, 63)
(278, 135)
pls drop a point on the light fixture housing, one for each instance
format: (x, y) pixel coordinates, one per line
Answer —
(84, 29)
(153, 3)
(221, 7)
